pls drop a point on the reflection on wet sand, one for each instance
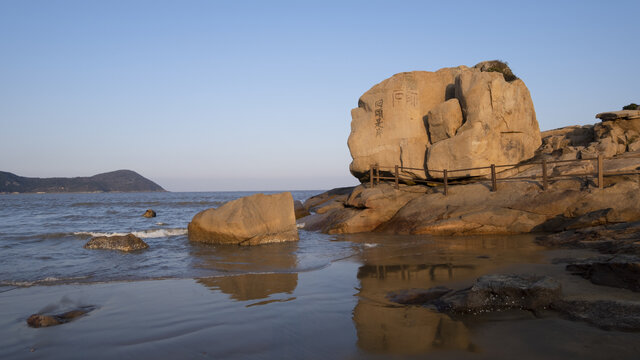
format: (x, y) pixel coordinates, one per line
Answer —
(385, 327)
(407, 330)
(252, 286)
(255, 272)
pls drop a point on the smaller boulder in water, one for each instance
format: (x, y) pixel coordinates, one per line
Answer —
(127, 242)
(149, 213)
(42, 320)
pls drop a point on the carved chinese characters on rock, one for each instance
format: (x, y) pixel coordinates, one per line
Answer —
(379, 117)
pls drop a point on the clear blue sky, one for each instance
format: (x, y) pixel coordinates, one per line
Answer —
(256, 95)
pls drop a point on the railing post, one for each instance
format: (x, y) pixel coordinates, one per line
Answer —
(446, 181)
(371, 175)
(494, 186)
(544, 174)
(397, 180)
(378, 174)
(600, 172)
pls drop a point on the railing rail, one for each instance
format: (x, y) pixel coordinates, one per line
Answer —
(599, 174)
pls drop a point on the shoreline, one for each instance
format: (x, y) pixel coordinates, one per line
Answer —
(340, 310)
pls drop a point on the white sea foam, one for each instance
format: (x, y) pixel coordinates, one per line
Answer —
(300, 225)
(145, 234)
(367, 245)
(46, 281)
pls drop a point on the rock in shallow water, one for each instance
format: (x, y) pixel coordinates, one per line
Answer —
(622, 271)
(489, 293)
(42, 320)
(127, 242)
(252, 220)
(149, 213)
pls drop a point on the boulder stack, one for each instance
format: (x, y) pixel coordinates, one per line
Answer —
(453, 118)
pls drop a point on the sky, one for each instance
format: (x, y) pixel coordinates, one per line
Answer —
(256, 95)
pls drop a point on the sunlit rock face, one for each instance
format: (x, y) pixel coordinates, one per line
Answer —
(453, 118)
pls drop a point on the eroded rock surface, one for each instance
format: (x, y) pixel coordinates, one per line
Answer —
(452, 118)
(489, 293)
(125, 243)
(252, 220)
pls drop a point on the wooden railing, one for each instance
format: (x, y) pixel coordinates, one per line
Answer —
(599, 174)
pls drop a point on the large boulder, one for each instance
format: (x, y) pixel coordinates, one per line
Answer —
(453, 118)
(252, 220)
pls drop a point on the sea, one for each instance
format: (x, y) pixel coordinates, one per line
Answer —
(42, 238)
(322, 297)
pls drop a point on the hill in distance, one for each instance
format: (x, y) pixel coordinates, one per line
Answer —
(115, 181)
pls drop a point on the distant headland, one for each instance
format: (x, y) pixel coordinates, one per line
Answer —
(114, 181)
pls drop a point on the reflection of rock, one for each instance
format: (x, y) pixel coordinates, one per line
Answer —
(42, 320)
(252, 220)
(252, 286)
(127, 242)
(407, 330)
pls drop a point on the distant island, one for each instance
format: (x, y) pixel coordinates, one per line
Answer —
(115, 181)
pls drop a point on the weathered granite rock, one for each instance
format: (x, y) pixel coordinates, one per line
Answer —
(606, 314)
(622, 271)
(300, 210)
(252, 220)
(43, 320)
(149, 213)
(364, 210)
(489, 293)
(473, 209)
(388, 127)
(452, 118)
(127, 242)
(500, 126)
(621, 238)
(619, 115)
(444, 120)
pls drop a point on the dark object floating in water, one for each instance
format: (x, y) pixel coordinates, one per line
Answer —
(41, 320)
(115, 181)
(149, 213)
(127, 242)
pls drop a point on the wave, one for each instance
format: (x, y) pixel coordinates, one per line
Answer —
(46, 281)
(148, 204)
(144, 234)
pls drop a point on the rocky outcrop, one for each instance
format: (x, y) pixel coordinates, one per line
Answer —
(617, 134)
(499, 292)
(473, 209)
(488, 293)
(622, 271)
(149, 213)
(453, 118)
(252, 220)
(125, 243)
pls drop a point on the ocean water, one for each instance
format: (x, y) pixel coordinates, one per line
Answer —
(41, 239)
(323, 297)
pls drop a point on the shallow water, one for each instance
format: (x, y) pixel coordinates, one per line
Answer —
(322, 297)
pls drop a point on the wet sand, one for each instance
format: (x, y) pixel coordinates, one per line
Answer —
(336, 311)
